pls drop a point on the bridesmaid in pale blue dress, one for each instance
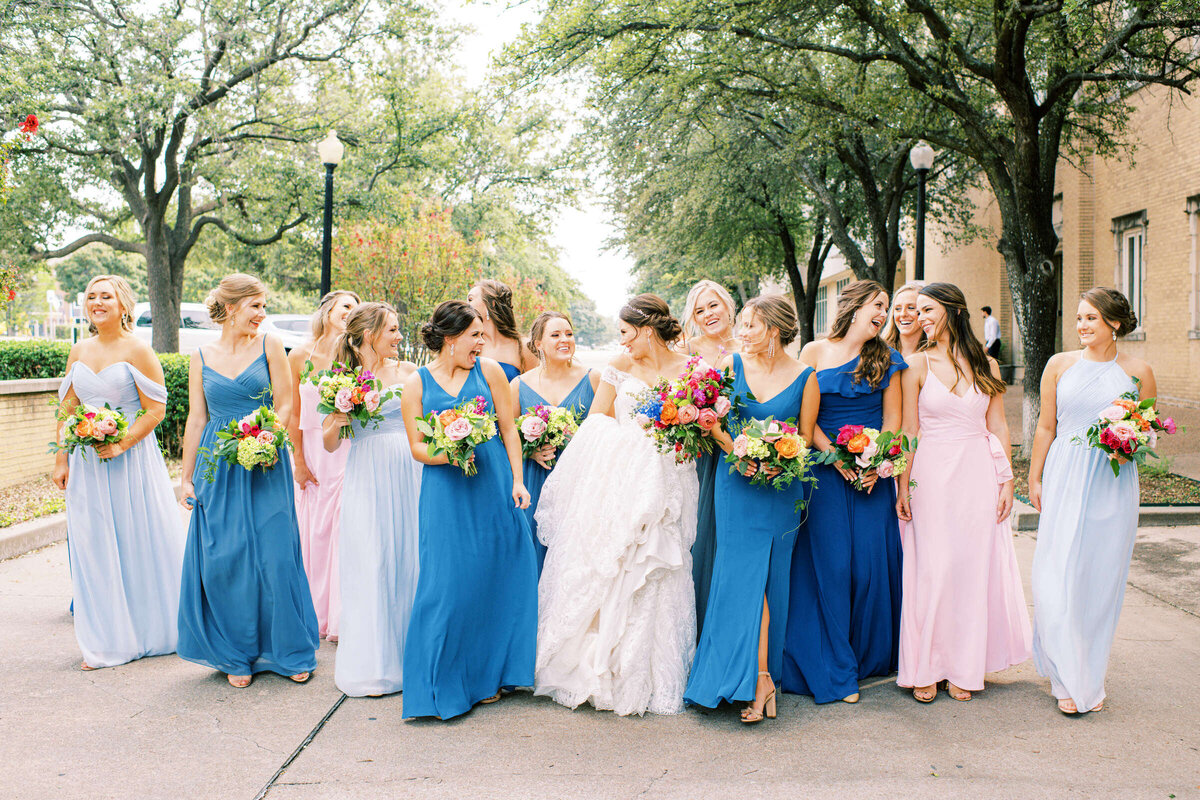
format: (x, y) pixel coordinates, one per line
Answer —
(708, 332)
(501, 342)
(741, 649)
(559, 381)
(245, 605)
(474, 618)
(1089, 517)
(377, 551)
(124, 537)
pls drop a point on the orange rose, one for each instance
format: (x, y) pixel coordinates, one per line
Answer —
(85, 429)
(1128, 405)
(356, 396)
(1140, 421)
(858, 443)
(447, 416)
(669, 412)
(787, 446)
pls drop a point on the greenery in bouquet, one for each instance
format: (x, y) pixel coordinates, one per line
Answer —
(780, 451)
(252, 442)
(89, 426)
(457, 432)
(1128, 430)
(356, 392)
(679, 413)
(545, 425)
(864, 449)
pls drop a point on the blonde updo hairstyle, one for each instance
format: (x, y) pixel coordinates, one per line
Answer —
(125, 299)
(777, 313)
(693, 299)
(538, 329)
(321, 318)
(1114, 307)
(232, 290)
(362, 324)
(651, 311)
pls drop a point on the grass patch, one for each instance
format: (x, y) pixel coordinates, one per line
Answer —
(1159, 486)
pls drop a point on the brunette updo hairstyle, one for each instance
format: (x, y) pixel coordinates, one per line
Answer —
(321, 317)
(449, 319)
(876, 357)
(363, 323)
(1114, 307)
(539, 328)
(497, 299)
(125, 299)
(651, 311)
(775, 311)
(229, 292)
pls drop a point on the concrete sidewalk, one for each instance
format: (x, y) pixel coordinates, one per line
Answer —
(163, 728)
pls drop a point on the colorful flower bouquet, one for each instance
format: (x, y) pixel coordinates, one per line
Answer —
(89, 426)
(773, 444)
(458, 431)
(867, 449)
(545, 425)
(357, 393)
(678, 413)
(253, 441)
(1128, 429)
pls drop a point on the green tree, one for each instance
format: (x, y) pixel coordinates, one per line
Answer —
(74, 272)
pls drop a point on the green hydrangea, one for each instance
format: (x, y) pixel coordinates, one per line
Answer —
(252, 453)
(757, 448)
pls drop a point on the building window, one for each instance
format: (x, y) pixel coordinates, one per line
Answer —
(1193, 212)
(1129, 240)
(820, 316)
(842, 284)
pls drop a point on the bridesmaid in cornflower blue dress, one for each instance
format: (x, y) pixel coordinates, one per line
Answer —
(501, 342)
(245, 605)
(709, 333)
(844, 618)
(377, 549)
(474, 618)
(123, 532)
(559, 381)
(1089, 517)
(741, 649)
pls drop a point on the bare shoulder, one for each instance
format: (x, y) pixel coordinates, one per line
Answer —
(1061, 362)
(299, 355)
(622, 362)
(810, 354)
(1135, 366)
(725, 361)
(493, 371)
(143, 357)
(273, 345)
(405, 369)
(994, 367)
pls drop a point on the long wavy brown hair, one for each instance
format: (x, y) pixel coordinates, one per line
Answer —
(962, 340)
(876, 356)
(362, 324)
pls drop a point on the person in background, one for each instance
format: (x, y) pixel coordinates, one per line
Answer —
(991, 333)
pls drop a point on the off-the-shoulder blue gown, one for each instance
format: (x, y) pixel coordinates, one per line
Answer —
(844, 613)
(756, 531)
(578, 400)
(474, 618)
(124, 536)
(245, 605)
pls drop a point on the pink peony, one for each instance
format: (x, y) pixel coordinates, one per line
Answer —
(106, 427)
(722, 405)
(458, 430)
(371, 400)
(1113, 414)
(1123, 431)
(1168, 424)
(687, 414)
(707, 419)
(773, 432)
(884, 470)
(741, 445)
(266, 437)
(862, 462)
(342, 402)
(531, 428)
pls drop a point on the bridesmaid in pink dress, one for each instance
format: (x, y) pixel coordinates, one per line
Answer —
(963, 612)
(318, 474)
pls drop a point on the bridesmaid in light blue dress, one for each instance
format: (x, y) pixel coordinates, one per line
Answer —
(552, 338)
(741, 647)
(377, 550)
(474, 618)
(1089, 517)
(124, 537)
(245, 605)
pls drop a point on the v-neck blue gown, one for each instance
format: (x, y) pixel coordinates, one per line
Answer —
(756, 531)
(474, 617)
(245, 605)
(579, 400)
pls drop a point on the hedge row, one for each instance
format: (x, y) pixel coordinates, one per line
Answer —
(47, 359)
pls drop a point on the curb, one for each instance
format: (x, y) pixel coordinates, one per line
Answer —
(1025, 517)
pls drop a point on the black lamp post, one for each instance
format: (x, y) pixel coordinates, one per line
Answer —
(331, 151)
(921, 157)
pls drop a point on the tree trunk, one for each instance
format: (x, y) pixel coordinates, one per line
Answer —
(1038, 315)
(804, 291)
(164, 290)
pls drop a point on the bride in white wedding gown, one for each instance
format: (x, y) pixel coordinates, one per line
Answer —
(616, 606)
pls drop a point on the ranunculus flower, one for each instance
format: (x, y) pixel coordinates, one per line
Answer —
(858, 442)
(106, 427)
(1113, 414)
(884, 470)
(788, 446)
(687, 415)
(722, 405)
(458, 430)
(342, 401)
(371, 400)
(447, 416)
(707, 419)
(740, 445)
(1168, 424)
(669, 412)
(848, 432)
(532, 428)
(85, 429)
(266, 437)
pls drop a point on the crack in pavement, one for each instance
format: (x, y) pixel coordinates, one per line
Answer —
(300, 748)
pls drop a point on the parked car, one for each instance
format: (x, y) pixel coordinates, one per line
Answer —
(292, 329)
(197, 328)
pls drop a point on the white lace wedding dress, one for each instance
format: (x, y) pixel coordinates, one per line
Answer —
(616, 607)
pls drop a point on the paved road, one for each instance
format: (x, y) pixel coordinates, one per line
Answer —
(165, 728)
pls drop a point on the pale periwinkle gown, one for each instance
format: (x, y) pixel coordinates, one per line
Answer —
(378, 556)
(1085, 540)
(963, 610)
(318, 510)
(124, 534)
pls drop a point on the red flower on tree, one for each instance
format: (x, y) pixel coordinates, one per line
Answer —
(30, 125)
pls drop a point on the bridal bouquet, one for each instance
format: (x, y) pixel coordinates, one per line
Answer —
(546, 425)
(357, 393)
(868, 449)
(1128, 429)
(678, 413)
(90, 426)
(251, 442)
(458, 431)
(773, 444)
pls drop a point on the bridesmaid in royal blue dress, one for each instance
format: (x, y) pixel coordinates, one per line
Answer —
(123, 532)
(474, 618)
(741, 648)
(559, 381)
(1089, 517)
(501, 342)
(245, 605)
(844, 617)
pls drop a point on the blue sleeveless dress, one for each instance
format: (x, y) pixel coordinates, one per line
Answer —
(244, 606)
(124, 537)
(1085, 539)
(704, 551)
(474, 618)
(510, 370)
(844, 613)
(534, 474)
(377, 556)
(756, 531)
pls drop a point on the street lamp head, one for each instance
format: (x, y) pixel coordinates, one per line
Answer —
(921, 156)
(331, 149)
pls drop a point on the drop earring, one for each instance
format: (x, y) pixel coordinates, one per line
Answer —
(1114, 333)
(452, 351)
(771, 349)
(487, 315)
(854, 318)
